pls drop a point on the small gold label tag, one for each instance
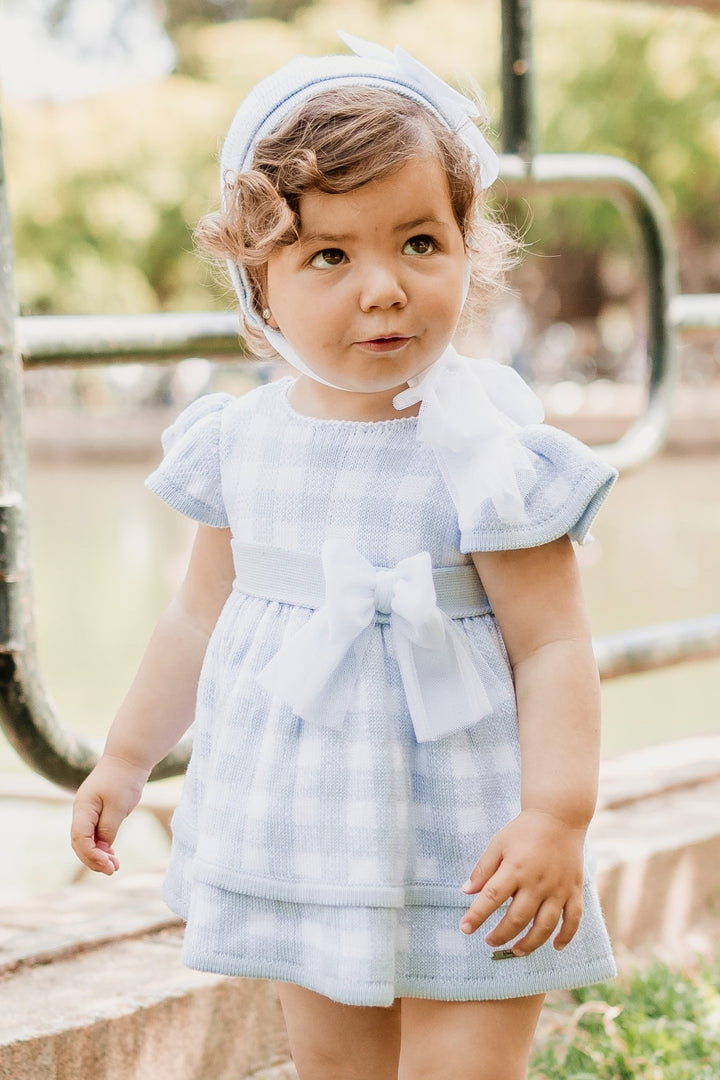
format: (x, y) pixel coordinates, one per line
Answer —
(504, 954)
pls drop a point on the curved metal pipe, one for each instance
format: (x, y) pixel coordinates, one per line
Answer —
(614, 178)
(26, 713)
(162, 337)
(648, 648)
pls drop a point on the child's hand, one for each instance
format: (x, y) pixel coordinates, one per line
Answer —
(537, 860)
(102, 803)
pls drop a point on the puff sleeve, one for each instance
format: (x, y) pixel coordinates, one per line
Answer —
(189, 478)
(570, 485)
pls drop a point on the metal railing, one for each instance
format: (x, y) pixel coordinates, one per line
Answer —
(26, 713)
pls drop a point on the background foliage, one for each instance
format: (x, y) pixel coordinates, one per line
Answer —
(656, 1023)
(104, 191)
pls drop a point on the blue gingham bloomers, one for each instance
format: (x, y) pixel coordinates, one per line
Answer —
(334, 858)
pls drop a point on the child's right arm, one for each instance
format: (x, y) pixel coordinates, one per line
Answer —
(160, 704)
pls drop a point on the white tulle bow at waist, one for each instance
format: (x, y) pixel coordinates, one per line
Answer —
(447, 685)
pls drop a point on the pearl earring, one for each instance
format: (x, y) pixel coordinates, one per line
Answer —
(266, 313)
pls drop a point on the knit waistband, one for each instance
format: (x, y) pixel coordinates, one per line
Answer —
(294, 577)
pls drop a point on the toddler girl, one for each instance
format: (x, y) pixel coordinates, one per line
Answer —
(381, 636)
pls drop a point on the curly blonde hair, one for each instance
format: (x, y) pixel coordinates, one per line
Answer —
(335, 142)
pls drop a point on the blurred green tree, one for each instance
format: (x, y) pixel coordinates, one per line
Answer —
(105, 191)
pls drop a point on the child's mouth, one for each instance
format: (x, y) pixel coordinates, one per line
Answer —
(384, 344)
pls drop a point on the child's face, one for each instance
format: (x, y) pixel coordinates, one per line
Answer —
(371, 293)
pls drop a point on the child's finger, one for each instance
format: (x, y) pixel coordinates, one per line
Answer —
(496, 892)
(487, 865)
(82, 829)
(545, 920)
(109, 821)
(85, 846)
(518, 916)
(572, 913)
(111, 818)
(103, 846)
(91, 847)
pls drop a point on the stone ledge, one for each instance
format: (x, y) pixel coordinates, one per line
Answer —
(656, 839)
(658, 770)
(79, 918)
(129, 1010)
(659, 870)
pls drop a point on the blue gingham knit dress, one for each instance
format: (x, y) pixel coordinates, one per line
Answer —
(334, 859)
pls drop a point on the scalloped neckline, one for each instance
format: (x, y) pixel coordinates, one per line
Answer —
(287, 381)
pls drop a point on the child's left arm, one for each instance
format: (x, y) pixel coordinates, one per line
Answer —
(536, 861)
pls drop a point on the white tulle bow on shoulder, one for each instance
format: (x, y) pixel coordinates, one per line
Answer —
(470, 414)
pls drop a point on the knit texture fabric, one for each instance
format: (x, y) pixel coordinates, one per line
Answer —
(335, 859)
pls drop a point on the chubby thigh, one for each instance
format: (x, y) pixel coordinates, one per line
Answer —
(414, 1039)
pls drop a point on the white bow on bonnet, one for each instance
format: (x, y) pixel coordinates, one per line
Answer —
(470, 410)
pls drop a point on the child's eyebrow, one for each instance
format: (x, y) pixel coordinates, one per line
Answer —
(405, 226)
(341, 238)
(324, 238)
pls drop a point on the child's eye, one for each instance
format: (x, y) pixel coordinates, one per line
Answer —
(419, 245)
(328, 257)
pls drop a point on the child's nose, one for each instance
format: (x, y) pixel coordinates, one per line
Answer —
(381, 288)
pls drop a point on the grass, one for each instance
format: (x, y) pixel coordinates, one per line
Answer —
(657, 1023)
